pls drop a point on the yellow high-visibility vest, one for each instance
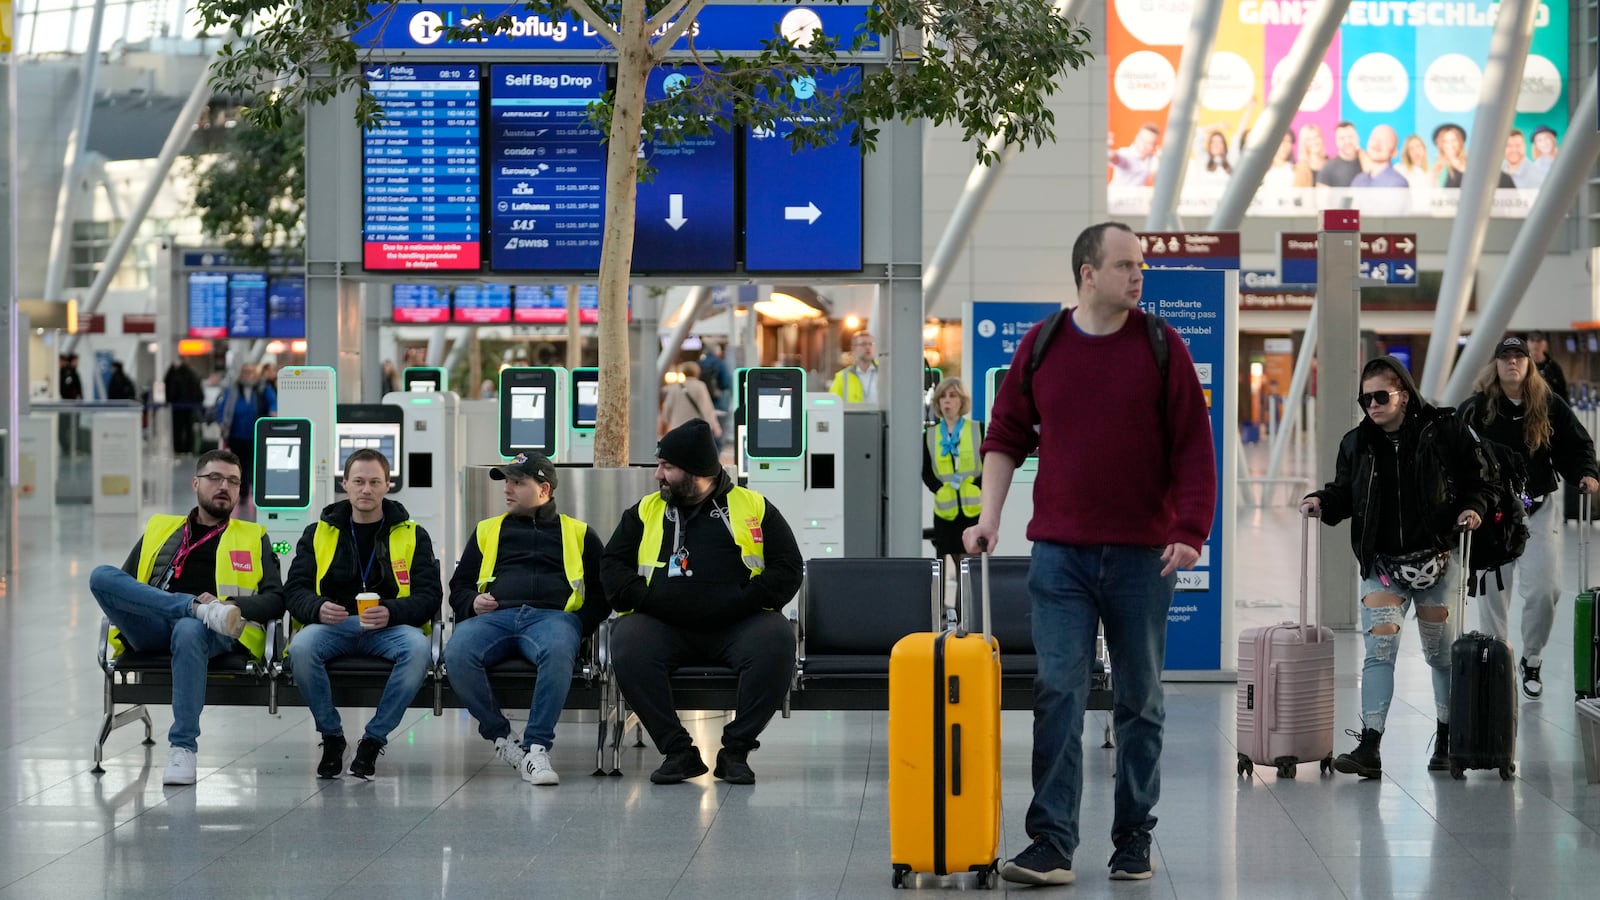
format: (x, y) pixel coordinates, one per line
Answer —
(746, 509)
(572, 533)
(959, 474)
(238, 569)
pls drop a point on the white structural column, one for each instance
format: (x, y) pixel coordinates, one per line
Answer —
(1497, 105)
(66, 201)
(1185, 107)
(1556, 195)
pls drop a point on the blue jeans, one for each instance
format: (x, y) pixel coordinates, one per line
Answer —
(151, 620)
(1377, 671)
(548, 638)
(1071, 588)
(404, 645)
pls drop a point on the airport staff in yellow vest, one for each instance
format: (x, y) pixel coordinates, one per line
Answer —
(188, 588)
(527, 586)
(363, 545)
(858, 382)
(701, 570)
(952, 468)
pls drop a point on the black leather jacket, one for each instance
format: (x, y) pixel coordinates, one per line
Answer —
(1569, 454)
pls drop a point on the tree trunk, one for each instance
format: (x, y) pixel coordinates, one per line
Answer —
(616, 253)
(574, 329)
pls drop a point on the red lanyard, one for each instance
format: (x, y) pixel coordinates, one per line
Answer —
(185, 547)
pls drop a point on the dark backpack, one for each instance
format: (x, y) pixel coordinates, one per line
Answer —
(1504, 533)
(1154, 326)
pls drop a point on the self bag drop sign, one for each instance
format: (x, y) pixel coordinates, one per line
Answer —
(1202, 306)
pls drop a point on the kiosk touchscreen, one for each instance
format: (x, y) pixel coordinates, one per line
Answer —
(775, 413)
(582, 411)
(530, 410)
(370, 426)
(283, 463)
(741, 456)
(424, 379)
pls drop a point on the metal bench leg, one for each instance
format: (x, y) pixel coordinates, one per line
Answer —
(606, 715)
(115, 720)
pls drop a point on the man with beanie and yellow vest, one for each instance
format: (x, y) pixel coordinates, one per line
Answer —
(858, 382)
(528, 585)
(701, 571)
(188, 587)
(365, 544)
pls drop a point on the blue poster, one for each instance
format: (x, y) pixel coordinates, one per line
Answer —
(995, 330)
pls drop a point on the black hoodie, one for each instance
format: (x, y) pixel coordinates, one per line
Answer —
(720, 591)
(530, 569)
(343, 580)
(1404, 494)
(1569, 453)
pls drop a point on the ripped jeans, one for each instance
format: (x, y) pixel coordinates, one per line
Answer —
(1377, 672)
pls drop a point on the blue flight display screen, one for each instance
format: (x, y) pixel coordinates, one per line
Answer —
(803, 209)
(546, 168)
(286, 307)
(420, 194)
(685, 214)
(208, 305)
(247, 305)
(420, 304)
(482, 304)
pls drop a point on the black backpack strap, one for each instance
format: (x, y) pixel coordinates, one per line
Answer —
(1041, 343)
(1156, 327)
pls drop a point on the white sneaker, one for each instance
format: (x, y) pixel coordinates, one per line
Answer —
(536, 767)
(223, 618)
(180, 767)
(507, 750)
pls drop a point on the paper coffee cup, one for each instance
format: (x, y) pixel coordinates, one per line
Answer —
(365, 602)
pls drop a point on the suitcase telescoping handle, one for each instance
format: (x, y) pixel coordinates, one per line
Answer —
(983, 587)
(1585, 517)
(1465, 581)
(1308, 632)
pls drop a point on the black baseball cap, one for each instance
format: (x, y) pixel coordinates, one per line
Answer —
(1511, 345)
(527, 465)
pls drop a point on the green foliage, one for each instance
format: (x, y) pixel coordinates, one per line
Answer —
(251, 195)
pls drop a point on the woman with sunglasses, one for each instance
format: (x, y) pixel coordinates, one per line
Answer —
(1515, 406)
(1407, 480)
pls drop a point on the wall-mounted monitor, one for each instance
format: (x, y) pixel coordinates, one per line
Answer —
(420, 304)
(370, 426)
(208, 305)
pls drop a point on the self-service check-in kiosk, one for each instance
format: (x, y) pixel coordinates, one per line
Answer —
(533, 412)
(429, 474)
(818, 522)
(425, 379)
(309, 393)
(583, 410)
(1013, 538)
(284, 464)
(372, 426)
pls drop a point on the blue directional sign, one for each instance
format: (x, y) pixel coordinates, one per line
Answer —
(420, 202)
(247, 305)
(286, 307)
(685, 213)
(547, 168)
(208, 305)
(803, 209)
(1387, 257)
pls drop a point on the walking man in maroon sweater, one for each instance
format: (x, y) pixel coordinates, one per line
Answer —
(1124, 498)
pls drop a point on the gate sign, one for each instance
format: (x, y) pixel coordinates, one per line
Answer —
(1190, 249)
(1389, 257)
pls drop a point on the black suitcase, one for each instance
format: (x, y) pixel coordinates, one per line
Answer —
(1483, 696)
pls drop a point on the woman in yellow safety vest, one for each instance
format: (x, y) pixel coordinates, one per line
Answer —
(951, 467)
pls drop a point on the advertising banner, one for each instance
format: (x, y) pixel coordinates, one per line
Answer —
(1383, 127)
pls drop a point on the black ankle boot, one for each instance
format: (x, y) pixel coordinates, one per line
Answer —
(1364, 760)
(1440, 760)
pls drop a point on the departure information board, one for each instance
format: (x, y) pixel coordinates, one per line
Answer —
(420, 304)
(546, 168)
(420, 197)
(482, 304)
(286, 307)
(208, 305)
(541, 304)
(685, 213)
(803, 210)
(247, 305)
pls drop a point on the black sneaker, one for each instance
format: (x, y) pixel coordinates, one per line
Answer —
(1440, 760)
(1532, 687)
(366, 760)
(732, 767)
(1131, 860)
(1041, 863)
(680, 766)
(332, 756)
(1364, 760)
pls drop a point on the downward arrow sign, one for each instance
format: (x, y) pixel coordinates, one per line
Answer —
(675, 211)
(809, 213)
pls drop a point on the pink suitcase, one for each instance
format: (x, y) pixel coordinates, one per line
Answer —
(1285, 696)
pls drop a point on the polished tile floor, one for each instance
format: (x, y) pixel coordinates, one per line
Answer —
(444, 819)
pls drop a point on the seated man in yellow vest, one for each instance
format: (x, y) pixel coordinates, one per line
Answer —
(702, 570)
(363, 545)
(858, 382)
(166, 595)
(528, 585)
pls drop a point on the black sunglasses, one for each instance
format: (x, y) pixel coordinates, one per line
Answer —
(1382, 398)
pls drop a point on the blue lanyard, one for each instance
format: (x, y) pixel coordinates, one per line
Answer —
(367, 569)
(950, 443)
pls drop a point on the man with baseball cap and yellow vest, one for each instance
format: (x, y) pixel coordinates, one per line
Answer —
(188, 586)
(364, 545)
(527, 585)
(701, 570)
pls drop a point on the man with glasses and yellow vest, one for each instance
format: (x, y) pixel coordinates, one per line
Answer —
(188, 587)
(858, 382)
(952, 468)
(701, 570)
(366, 545)
(528, 585)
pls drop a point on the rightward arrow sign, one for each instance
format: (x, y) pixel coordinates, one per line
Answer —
(809, 213)
(1406, 272)
(1406, 244)
(675, 211)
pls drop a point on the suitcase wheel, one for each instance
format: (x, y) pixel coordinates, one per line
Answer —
(1506, 771)
(1457, 772)
(898, 880)
(1326, 766)
(985, 880)
(1247, 769)
(1288, 766)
